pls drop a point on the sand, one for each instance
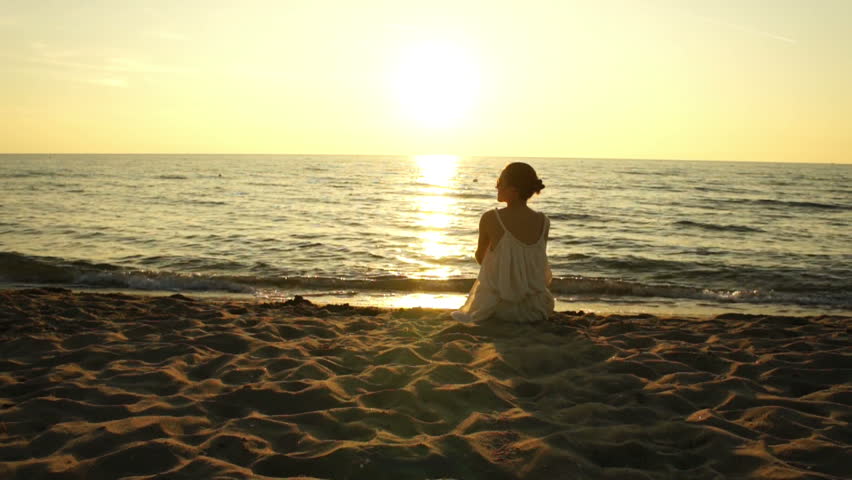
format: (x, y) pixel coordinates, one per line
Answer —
(110, 386)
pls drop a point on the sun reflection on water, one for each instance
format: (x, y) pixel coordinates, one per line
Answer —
(426, 300)
(435, 213)
(437, 170)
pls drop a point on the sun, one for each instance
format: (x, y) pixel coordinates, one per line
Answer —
(436, 83)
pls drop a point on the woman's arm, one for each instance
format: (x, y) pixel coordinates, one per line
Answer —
(484, 240)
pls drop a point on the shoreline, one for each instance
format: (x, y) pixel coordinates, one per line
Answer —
(391, 299)
(110, 385)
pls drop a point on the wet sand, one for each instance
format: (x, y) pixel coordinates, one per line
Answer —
(109, 386)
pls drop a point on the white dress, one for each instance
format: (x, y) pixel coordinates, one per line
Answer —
(512, 282)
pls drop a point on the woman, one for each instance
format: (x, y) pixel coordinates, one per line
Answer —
(512, 252)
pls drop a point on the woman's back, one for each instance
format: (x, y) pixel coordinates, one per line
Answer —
(513, 278)
(525, 224)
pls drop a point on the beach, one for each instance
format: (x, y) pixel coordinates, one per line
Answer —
(110, 386)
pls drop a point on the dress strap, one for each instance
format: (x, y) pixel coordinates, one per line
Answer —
(497, 213)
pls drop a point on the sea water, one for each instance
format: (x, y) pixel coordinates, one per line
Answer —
(626, 235)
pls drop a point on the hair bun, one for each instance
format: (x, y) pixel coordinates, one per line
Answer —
(523, 177)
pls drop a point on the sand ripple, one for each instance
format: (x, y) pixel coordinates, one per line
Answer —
(108, 386)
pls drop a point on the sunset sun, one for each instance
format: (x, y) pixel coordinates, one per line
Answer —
(436, 84)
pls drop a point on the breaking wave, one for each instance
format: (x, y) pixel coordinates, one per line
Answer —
(17, 268)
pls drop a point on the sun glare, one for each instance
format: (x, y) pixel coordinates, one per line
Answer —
(435, 213)
(436, 170)
(436, 84)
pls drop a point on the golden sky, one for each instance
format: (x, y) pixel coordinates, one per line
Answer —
(717, 80)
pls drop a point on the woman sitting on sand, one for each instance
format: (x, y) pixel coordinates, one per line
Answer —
(512, 251)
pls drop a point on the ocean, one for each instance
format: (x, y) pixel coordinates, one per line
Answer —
(626, 236)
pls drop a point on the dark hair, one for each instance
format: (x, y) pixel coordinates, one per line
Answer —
(523, 177)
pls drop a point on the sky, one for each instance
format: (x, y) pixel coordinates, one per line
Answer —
(741, 80)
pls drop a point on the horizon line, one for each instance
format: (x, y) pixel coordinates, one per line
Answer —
(546, 157)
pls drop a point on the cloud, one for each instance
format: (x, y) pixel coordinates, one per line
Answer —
(84, 65)
(743, 28)
(106, 82)
(67, 75)
(132, 65)
(50, 58)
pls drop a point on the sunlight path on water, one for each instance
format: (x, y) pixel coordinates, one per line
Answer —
(436, 213)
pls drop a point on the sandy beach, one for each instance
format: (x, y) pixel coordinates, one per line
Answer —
(110, 386)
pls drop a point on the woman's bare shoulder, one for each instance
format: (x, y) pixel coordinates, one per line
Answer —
(488, 221)
(539, 213)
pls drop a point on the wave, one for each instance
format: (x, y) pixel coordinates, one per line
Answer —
(571, 216)
(16, 268)
(205, 202)
(461, 195)
(612, 287)
(626, 263)
(36, 174)
(471, 195)
(267, 184)
(792, 204)
(19, 268)
(716, 227)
